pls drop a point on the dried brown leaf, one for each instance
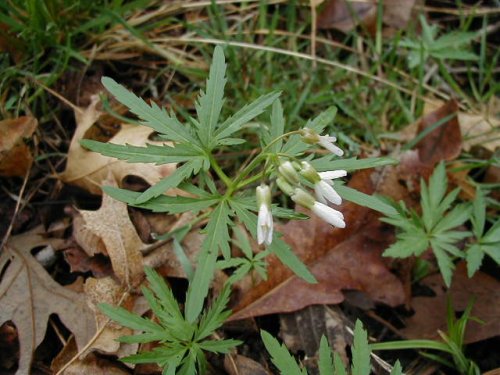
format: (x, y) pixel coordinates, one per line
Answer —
(345, 15)
(107, 290)
(15, 155)
(111, 223)
(89, 169)
(91, 364)
(28, 296)
(430, 312)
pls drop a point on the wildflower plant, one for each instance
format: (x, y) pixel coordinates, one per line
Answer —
(284, 162)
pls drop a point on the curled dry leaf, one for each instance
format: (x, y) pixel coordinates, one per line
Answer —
(107, 290)
(89, 169)
(91, 364)
(431, 312)
(112, 225)
(15, 155)
(28, 296)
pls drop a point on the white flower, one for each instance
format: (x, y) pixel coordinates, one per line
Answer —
(325, 192)
(324, 189)
(265, 217)
(328, 214)
(327, 142)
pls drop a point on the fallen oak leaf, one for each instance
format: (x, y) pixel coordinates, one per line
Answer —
(28, 296)
(107, 290)
(15, 155)
(88, 169)
(111, 223)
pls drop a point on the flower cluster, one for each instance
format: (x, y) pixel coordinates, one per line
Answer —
(289, 177)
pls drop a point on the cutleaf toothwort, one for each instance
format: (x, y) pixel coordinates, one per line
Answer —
(225, 196)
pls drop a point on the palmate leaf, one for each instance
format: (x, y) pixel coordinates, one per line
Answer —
(360, 351)
(217, 239)
(329, 163)
(325, 363)
(245, 115)
(171, 181)
(365, 200)
(149, 154)
(152, 116)
(280, 356)
(209, 104)
(215, 316)
(219, 346)
(128, 319)
(172, 205)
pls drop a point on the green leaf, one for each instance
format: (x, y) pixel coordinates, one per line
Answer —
(493, 234)
(280, 356)
(278, 247)
(128, 319)
(339, 365)
(360, 351)
(408, 244)
(245, 115)
(457, 216)
(454, 54)
(325, 358)
(220, 346)
(215, 316)
(474, 256)
(365, 200)
(137, 154)
(151, 116)
(217, 239)
(478, 218)
(163, 203)
(277, 126)
(397, 369)
(157, 355)
(438, 182)
(145, 337)
(181, 256)
(444, 262)
(285, 254)
(163, 293)
(453, 40)
(169, 182)
(329, 163)
(209, 104)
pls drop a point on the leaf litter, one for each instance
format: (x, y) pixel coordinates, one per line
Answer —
(29, 295)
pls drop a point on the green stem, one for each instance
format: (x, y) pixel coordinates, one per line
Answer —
(216, 167)
(250, 167)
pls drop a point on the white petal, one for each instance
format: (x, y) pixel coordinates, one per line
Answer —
(269, 237)
(319, 193)
(329, 193)
(323, 141)
(264, 225)
(330, 175)
(329, 215)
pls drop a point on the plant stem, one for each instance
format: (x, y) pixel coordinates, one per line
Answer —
(216, 167)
